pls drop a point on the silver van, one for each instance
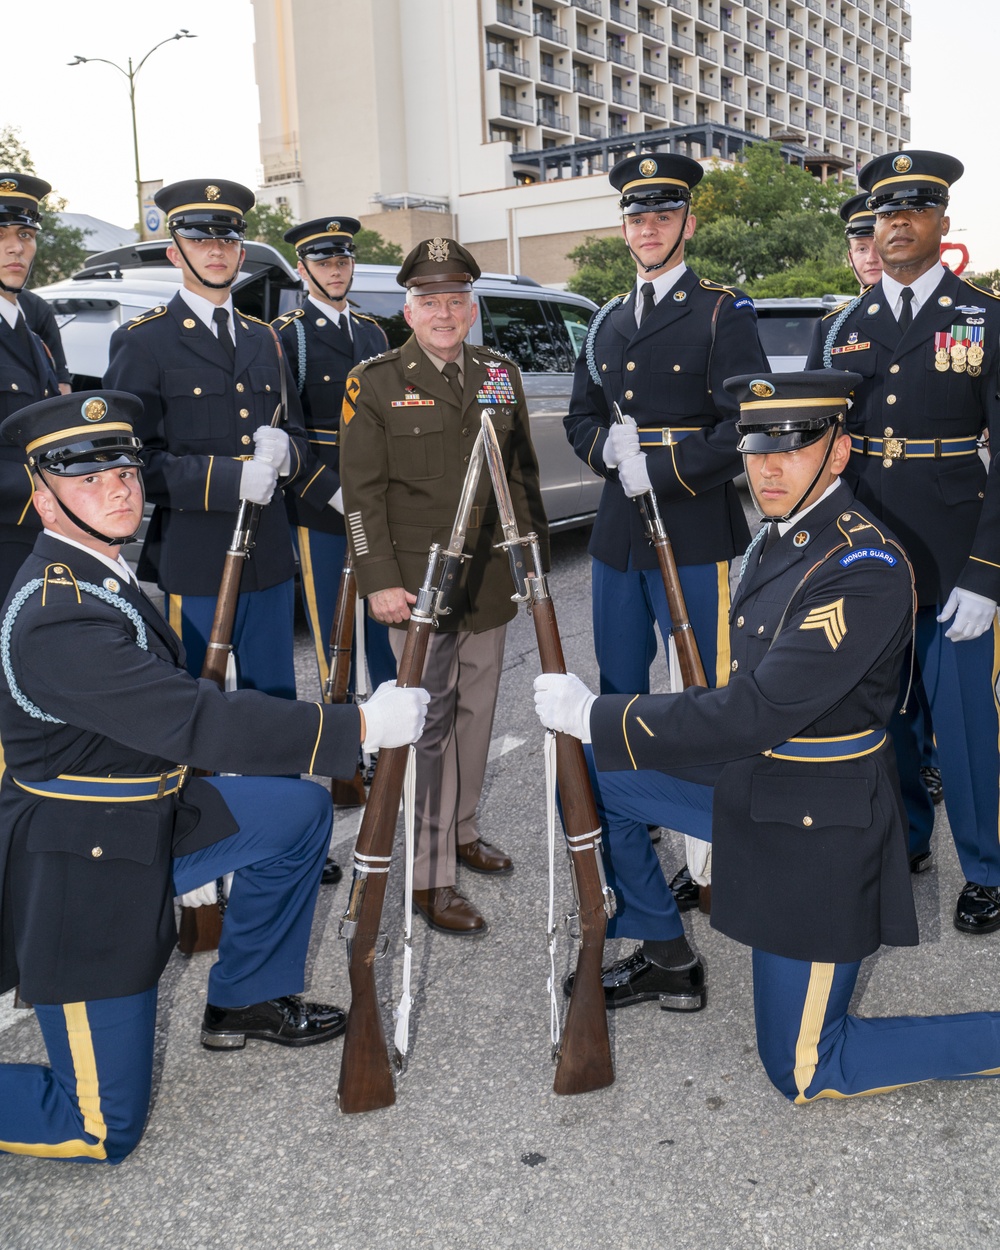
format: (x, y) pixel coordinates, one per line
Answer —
(540, 328)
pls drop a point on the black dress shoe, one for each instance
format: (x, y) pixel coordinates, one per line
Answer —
(332, 873)
(931, 778)
(921, 861)
(978, 909)
(636, 979)
(288, 1021)
(684, 889)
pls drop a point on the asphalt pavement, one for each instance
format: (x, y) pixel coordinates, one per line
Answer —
(691, 1146)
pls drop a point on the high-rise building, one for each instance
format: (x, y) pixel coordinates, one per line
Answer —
(489, 119)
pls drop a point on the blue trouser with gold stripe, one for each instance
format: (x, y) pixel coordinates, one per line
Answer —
(627, 605)
(90, 1103)
(263, 636)
(959, 679)
(321, 560)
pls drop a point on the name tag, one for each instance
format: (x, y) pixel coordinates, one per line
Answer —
(849, 347)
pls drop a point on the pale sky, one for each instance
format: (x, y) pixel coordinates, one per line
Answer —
(196, 101)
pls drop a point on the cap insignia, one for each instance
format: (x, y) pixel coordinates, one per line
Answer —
(8, 184)
(647, 168)
(902, 164)
(94, 409)
(212, 192)
(437, 250)
(333, 227)
(763, 390)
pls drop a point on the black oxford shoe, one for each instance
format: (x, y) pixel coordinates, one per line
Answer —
(288, 1021)
(332, 873)
(931, 778)
(921, 861)
(684, 889)
(978, 909)
(636, 979)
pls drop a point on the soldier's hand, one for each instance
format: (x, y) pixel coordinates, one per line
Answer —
(563, 703)
(258, 481)
(634, 476)
(392, 606)
(394, 717)
(974, 614)
(622, 442)
(337, 501)
(270, 444)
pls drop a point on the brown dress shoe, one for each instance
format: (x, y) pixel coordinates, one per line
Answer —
(482, 856)
(447, 911)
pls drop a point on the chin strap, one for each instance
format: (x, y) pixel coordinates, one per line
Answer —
(313, 278)
(89, 529)
(214, 286)
(834, 431)
(659, 264)
(16, 290)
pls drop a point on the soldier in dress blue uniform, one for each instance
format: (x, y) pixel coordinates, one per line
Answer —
(98, 830)
(791, 768)
(210, 378)
(26, 370)
(323, 341)
(925, 343)
(662, 352)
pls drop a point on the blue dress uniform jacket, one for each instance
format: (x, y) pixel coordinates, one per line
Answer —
(320, 365)
(101, 692)
(945, 508)
(22, 382)
(810, 858)
(669, 373)
(198, 421)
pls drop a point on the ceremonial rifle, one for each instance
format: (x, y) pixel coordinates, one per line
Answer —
(343, 793)
(366, 1074)
(201, 927)
(583, 1061)
(692, 671)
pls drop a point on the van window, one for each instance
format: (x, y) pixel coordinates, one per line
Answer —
(387, 309)
(571, 322)
(520, 329)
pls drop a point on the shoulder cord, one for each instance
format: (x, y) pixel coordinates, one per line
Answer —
(595, 325)
(834, 330)
(711, 350)
(18, 602)
(300, 355)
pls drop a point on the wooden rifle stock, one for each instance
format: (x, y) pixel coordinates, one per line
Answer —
(343, 793)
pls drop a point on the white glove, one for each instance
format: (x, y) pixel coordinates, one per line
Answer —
(698, 854)
(338, 501)
(974, 614)
(206, 895)
(394, 717)
(563, 703)
(634, 476)
(258, 481)
(270, 445)
(622, 442)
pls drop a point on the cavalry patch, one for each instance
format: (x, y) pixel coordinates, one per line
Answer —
(351, 392)
(868, 553)
(830, 619)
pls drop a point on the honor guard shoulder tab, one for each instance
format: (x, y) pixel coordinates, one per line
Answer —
(287, 318)
(151, 315)
(979, 290)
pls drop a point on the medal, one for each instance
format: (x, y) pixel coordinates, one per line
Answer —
(958, 357)
(975, 355)
(942, 361)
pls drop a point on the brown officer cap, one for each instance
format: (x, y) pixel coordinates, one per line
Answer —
(438, 265)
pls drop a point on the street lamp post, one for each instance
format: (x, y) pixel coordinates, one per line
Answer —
(131, 74)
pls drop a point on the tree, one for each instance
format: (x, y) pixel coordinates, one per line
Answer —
(61, 248)
(371, 249)
(267, 224)
(604, 268)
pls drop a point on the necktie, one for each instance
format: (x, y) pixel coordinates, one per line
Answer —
(773, 534)
(221, 319)
(648, 303)
(450, 371)
(906, 312)
(342, 334)
(26, 349)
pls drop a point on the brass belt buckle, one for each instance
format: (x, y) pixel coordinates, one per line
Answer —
(668, 437)
(893, 449)
(161, 787)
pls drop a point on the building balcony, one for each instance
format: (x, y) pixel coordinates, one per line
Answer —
(732, 28)
(863, 61)
(591, 47)
(683, 6)
(708, 88)
(619, 56)
(591, 130)
(878, 150)
(646, 27)
(892, 76)
(732, 97)
(864, 6)
(815, 97)
(509, 16)
(508, 63)
(555, 77)
(752, 71)
(776, 81)
(624, 17)
(776, 14)
(796, 27)
(755, 106)
(755, 39)
(706, 53)
(654, 68)
(589, 6)
(681, 80)
(832, 74)
(833, 133)
(864, 118)
(684, 42)
(649, 105)
(878, 42)
(775, 114)
(849, 110)
(775, 49)
(625, 98)
(795, 89)
(891, 129)
(583, 85)
(755, 6)
(813, 127)
(815, 5)
(796, 58)
(549, 30)
(683, 116)
(732, 62)
(706, 15)
(831, 45)
(552, 119)
(514, 108)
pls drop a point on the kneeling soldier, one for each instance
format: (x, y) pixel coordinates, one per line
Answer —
(98, 831)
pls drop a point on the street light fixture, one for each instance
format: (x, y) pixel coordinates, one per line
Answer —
(131, 74)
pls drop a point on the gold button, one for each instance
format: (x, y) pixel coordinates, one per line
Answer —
(58, 569)
(267, 386)
(628, 394)
(887, 463)
(97, 852)
(244, 325)
(465, 430)
(244, 412)
(326, 377)
(13, 386)
(760, 629)
(239, 387)
(739, 622)
(894, 368)
(604, 368)
(246, 440)
(888, 431)
(197, 390)
(677, 368)
(890, 399)
(630, 366)
(807, 821)
(321, 321)
(735, 665)
(189, 323)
